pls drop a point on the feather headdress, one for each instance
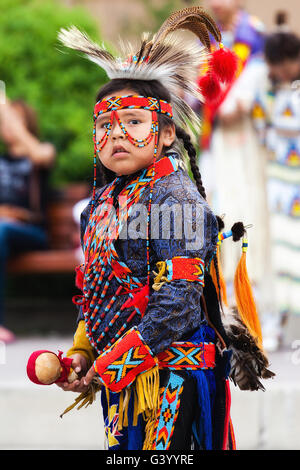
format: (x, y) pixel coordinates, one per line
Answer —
(163, 56)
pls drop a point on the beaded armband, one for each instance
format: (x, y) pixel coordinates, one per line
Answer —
(124, 361)
(179, 267)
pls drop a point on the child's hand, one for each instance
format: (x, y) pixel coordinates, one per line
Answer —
(89, 376)
(79, 365)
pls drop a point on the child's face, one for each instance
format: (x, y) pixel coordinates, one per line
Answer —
(119, 154)
(286, 71)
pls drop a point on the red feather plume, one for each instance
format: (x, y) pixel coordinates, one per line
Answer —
(223, 62)
(210, 86)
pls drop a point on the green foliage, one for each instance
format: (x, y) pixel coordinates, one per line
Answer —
(57, 82)
(158, 11)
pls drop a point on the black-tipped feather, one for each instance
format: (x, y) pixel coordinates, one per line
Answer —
(249, 363)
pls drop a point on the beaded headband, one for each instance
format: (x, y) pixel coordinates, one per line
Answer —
(129, 102)
(133, 102)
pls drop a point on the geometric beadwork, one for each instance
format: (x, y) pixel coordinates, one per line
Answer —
(133, 101)
(187, 355)
(168, 413)
(118, 367)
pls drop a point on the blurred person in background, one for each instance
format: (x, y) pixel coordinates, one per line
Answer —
(232, 162)
(276, 115)
(24, 168)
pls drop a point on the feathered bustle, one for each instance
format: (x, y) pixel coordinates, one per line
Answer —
(249, 364)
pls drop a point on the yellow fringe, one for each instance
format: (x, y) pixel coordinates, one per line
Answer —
(146, 401)
(126, 404)
(147, 391)
(245, 299)
(149, 431)
(84, 399)
(123, 408)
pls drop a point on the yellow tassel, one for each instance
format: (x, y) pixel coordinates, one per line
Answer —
(245, 299)
(85, 398)
(147, 387)
(152, 405)
(135, 409)
(148, 401)
(149, 432)
(123, 408)
(160, 279)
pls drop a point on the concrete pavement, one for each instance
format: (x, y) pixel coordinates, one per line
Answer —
(29, 413)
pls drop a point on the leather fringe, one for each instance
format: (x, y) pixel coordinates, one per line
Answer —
(146, 401)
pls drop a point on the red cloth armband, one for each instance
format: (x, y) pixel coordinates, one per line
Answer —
(179, 267)
(121, 363)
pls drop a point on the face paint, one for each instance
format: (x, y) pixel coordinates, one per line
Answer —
(132, 102)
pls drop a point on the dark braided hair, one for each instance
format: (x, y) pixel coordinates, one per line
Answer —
(191, 151)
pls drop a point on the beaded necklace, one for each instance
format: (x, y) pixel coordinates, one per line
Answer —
(105, 224)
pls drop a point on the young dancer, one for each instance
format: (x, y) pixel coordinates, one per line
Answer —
(149, 328)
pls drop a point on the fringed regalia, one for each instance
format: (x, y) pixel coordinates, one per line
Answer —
(165, 379)
(150, 321)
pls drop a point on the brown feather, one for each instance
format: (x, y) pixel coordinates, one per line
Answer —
(200, 30)
(211, 25)
(189, 18)
(249, 363)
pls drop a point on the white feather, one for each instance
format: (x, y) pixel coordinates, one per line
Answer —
(175, 65)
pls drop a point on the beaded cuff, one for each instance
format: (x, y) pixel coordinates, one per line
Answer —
(179, 267)
(124, 361)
